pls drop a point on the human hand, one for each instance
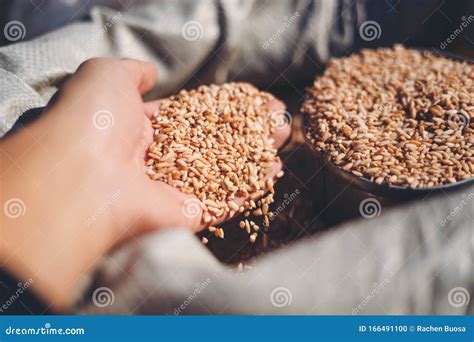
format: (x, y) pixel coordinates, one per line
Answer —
(78, 174)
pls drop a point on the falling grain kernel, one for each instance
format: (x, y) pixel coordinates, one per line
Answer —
(247, 226)
(205, 240)
(201, 148)
(270, 186)
(253, 237)
(219, 232)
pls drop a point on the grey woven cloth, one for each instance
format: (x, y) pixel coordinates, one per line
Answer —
(191, 42)
(417, 259)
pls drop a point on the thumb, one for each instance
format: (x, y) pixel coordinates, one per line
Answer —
(162, 206)
(142, 73)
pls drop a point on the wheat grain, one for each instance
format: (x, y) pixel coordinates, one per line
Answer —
(396, 116)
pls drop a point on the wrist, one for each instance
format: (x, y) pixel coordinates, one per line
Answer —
(43, 236)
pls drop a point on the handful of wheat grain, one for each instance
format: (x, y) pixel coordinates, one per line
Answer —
(215, 142)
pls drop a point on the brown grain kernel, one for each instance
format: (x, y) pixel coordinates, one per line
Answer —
(408, 120)
(215, 142)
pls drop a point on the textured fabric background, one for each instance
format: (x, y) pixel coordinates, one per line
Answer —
(404, 262)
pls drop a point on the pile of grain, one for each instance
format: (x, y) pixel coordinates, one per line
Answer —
(395, 116)
(215, 142)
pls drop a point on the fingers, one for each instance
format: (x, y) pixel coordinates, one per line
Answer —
(164, 206)
(143, 74)
(184, 210)
(277, 110)
(152, 107)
